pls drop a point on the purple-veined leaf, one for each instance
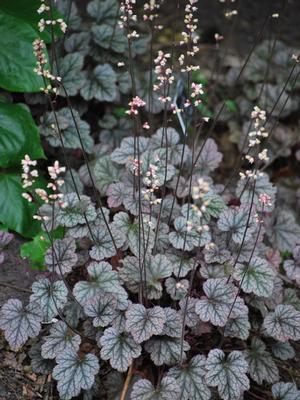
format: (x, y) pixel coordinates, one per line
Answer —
(61, 338)
(227, 373)
(119, 348)
(74, 373)
(143, 322)
(20, 322)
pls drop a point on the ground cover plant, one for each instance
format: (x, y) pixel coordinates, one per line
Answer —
(169, 270)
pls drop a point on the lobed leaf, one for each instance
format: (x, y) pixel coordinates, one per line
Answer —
(227, 373)
(20, 323)
(74, 373)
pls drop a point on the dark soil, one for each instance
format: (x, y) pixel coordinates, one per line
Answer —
(16, 276)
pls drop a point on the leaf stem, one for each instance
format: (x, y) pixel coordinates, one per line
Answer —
(127, 382)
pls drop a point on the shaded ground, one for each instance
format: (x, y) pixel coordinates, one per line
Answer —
(15, 275)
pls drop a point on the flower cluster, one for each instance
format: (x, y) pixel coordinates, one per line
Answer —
(197, 91)
(152, 183)
(28, 179)
(59, 21)
(41, 68)
(198, 192)
(255, 137)
(135, 104)
(28, 176)
(189, 38)
(150, 13)
(47, 22)
(127, 13)
(164, 75)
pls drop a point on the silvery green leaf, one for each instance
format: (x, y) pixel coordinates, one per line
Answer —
(169, 137)
(244, 251)
(283, 350)
(181, 265)
(216, 254)
(162, 241)
(102, 10)
(168, 389)
(177, 289)
(173, 323)
(262, 186)
(167, 207)
(102, 279)
(50, 211)
(285, 391)
(143, 322)
(72, 313)
(190, 378)
(52, 296)
(69, 68)
(76, 210)
(256, 277)
(285, 232)
(193, 214)
(292, 270)
(105, 173)
(292, 266)
(74, 373)
(63, 257)
(68, 128)
(187, 309)
(60, 339)
(104, 245)
(115, 194)
(238, 327)
(102, 309)
(119, 322)
(227, 373)
(68, 186)
(234, 220)
(165, 350)
(20, 322)
(157, 268)
(182, 238)
(101, 84)
(70, 13)
(110, 37)
(78, 43)
(133, 203)
(140, 44)
(164, 171)
(283, 324)
(210, 157)
(290, 297)
(180, 185)
(119, 348)
(124, 153)
(135, 239)
(261, 364)
(165, 136)
(124, 82)
(39, 364)
(214, 204)
(215, 307)
(212, 271)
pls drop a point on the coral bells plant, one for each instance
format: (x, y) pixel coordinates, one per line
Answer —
(168, 284)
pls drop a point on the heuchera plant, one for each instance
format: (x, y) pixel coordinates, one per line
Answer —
(163, 287)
